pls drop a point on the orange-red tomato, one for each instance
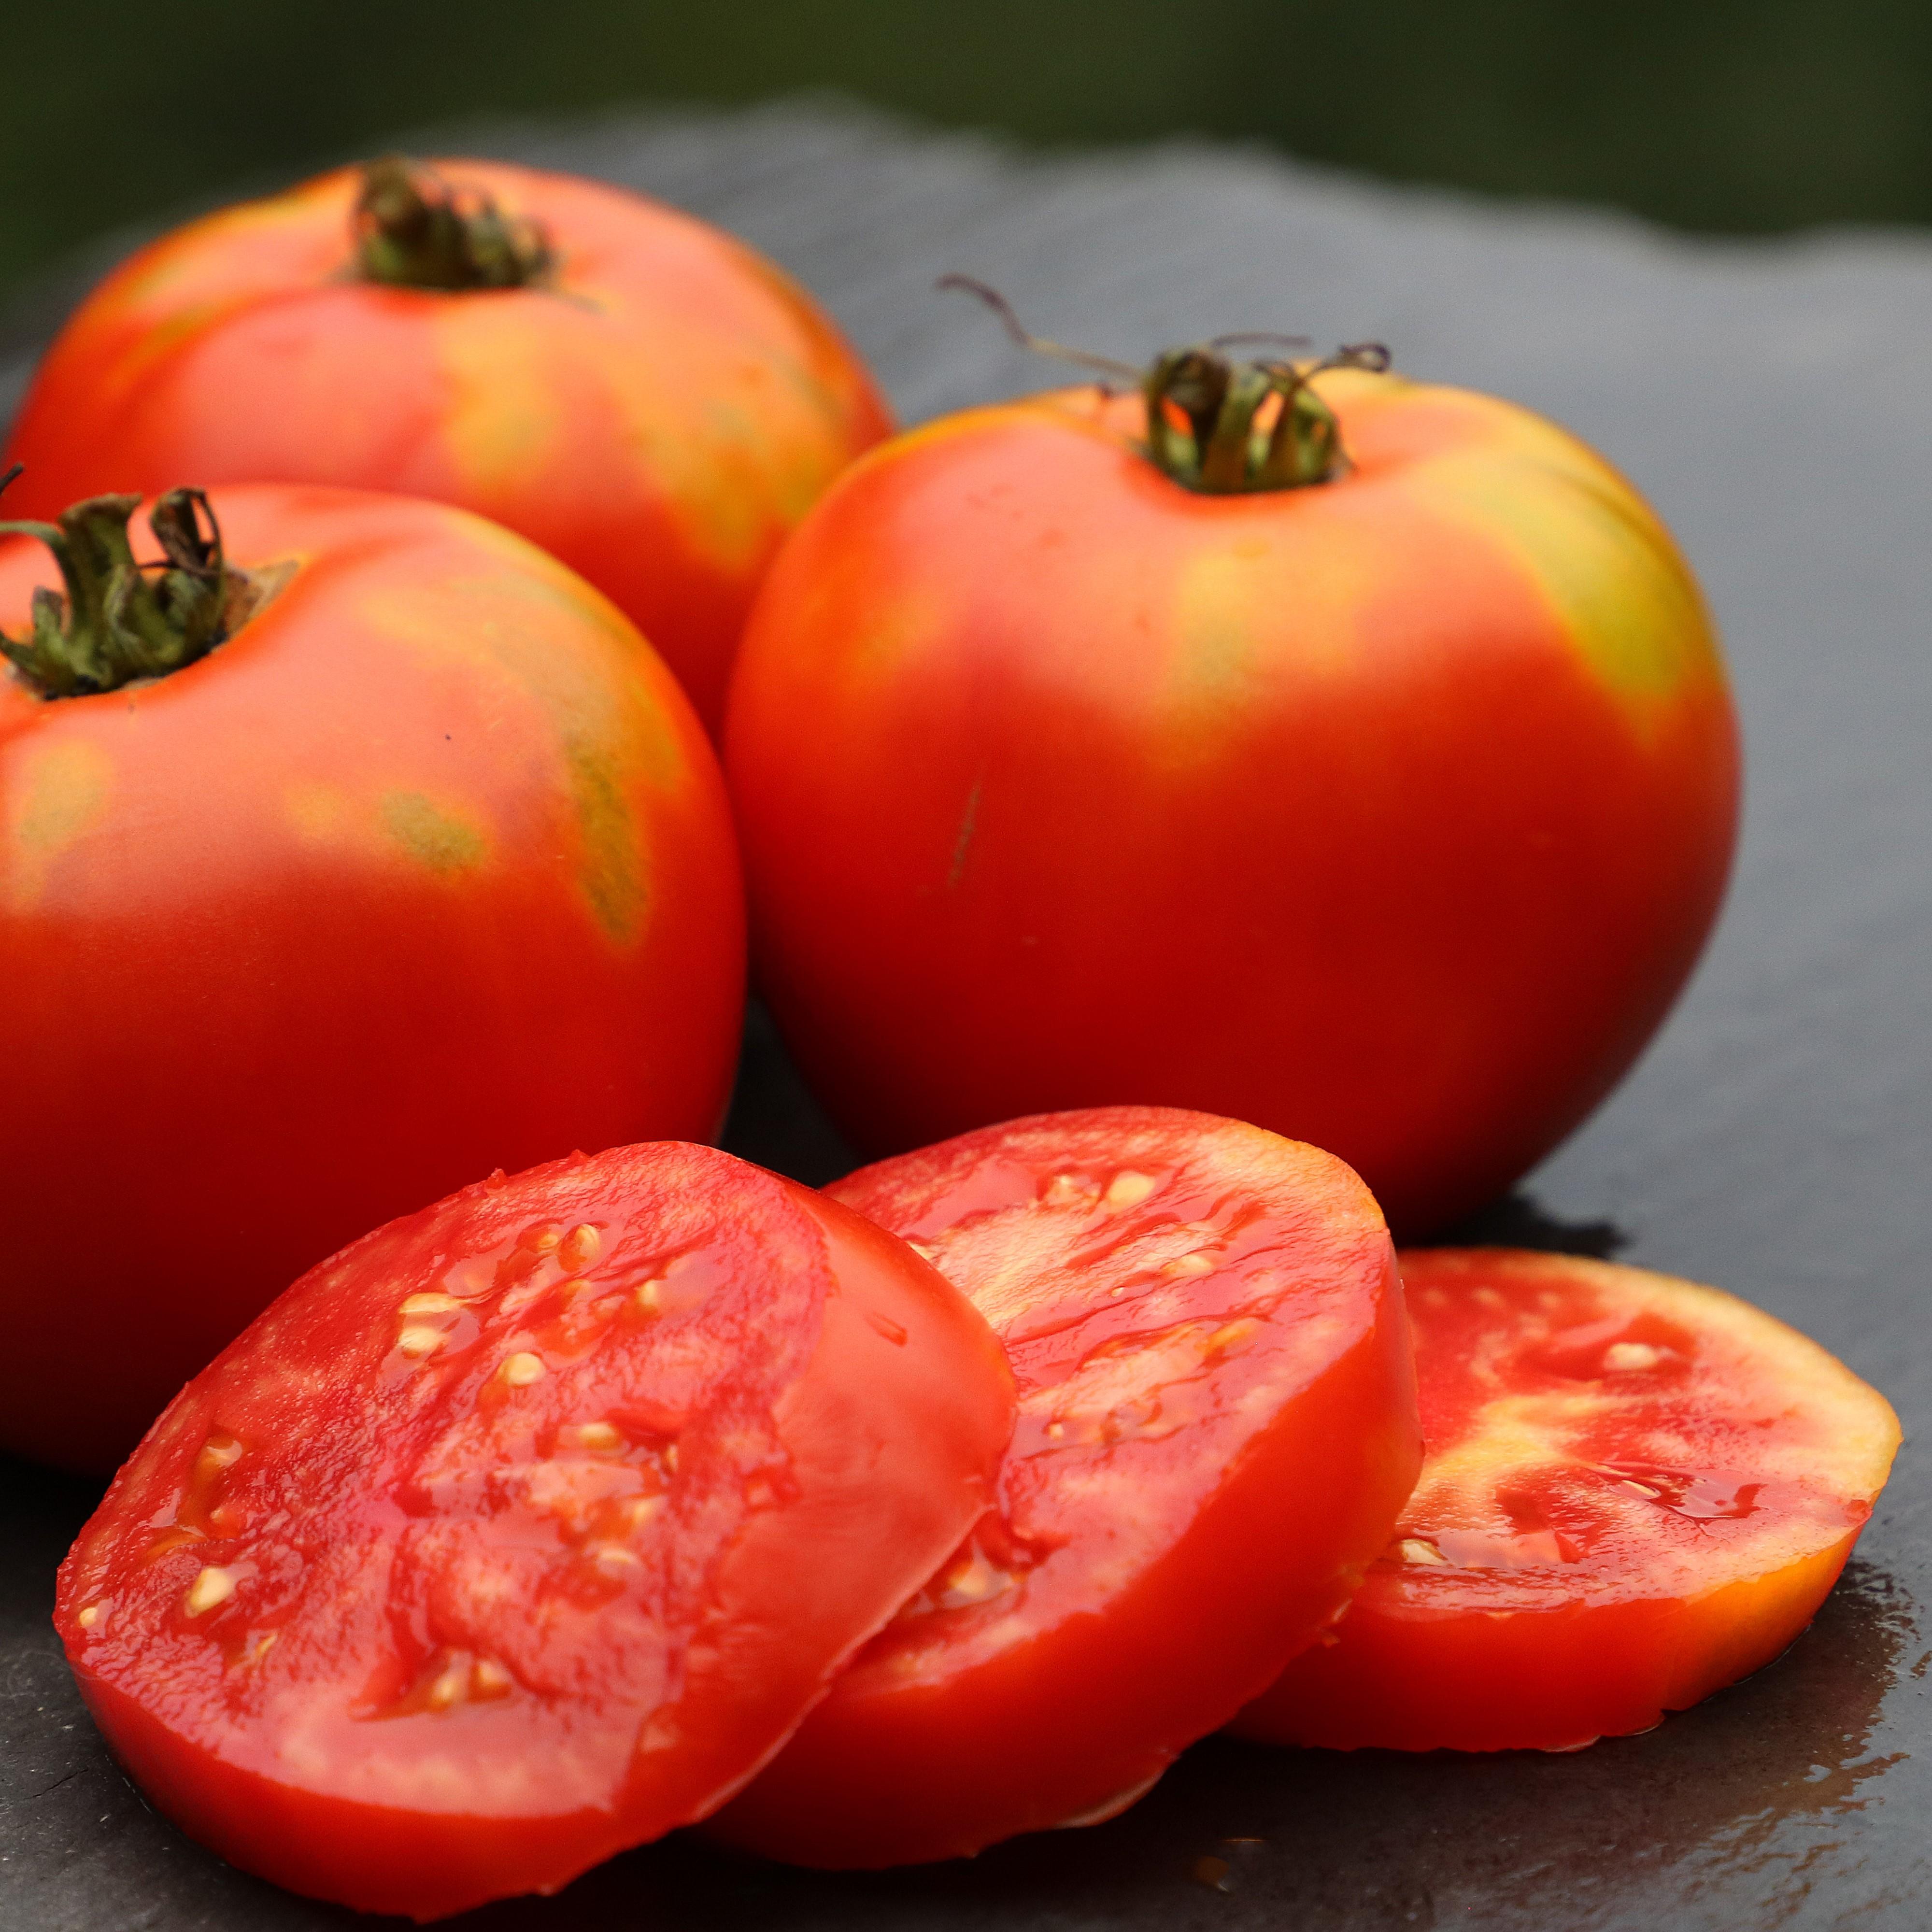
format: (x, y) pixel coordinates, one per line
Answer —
(525, 1528)
(1637, 1490)
(1389, 813)
(1216, 1429)
(658, 410)
(427, 869)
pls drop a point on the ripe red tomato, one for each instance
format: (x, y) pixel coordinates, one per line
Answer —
(1388, 812)
(428, 869)
(1637, 1491)
(635, 390)
(526, 1527)
(1216, 1429)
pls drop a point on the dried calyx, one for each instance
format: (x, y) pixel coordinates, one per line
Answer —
(1216, 424)
(414, 230)
(120, 620)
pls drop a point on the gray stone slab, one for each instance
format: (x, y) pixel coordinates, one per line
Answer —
(1775, 400)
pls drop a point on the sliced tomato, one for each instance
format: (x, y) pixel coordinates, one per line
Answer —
(1637, 1490)
(1216, 1429)
(529, 1526)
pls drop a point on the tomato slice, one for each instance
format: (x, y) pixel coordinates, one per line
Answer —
(1637, 1490)
(1216, 1429)
(529, 1526)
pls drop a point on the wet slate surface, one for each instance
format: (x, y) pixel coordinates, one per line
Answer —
(1775, 401)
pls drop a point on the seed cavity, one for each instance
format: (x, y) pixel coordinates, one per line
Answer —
(1231, 1335)
(1628, 1355)
(176, 1536)
(488, 1679)
(639, 1511)
(974, 1581)
(580, 1247)
(449, 1686)
(1129, 1189)
(217, 1453)
(212, 1587)
(431, 1304)
(1062, 1189)
(418, 1340)
(522, 1369)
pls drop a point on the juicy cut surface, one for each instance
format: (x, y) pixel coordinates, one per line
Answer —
(1215, 1430)
(496, 1522)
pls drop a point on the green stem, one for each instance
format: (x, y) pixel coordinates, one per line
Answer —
(120, 620)
(1224, 447)
(415, 231)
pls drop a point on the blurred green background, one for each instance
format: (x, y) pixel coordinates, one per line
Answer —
(1728, 114)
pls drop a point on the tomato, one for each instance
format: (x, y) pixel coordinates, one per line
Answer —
(1389, 812)
(647, 399)
(1217, 1428)
(527, 1527)
(428, 869)
(1637, 1490)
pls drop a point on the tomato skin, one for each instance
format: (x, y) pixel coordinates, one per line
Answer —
(1158, 1543)
(1663, 1598)
(834, 1413)
(1389, 813)
(428, 870)
(658, 415)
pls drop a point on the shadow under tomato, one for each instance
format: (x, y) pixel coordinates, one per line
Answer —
(1519, 1220)
(774, 1121)
(1742, 1800)
(1746, 1790)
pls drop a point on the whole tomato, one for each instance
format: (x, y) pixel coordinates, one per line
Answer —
(362, 849)
(1348, 755)
(635, 390)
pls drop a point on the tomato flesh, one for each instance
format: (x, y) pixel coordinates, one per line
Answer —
(1637, 1490)
(1216, 1430)
(528, 1527)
